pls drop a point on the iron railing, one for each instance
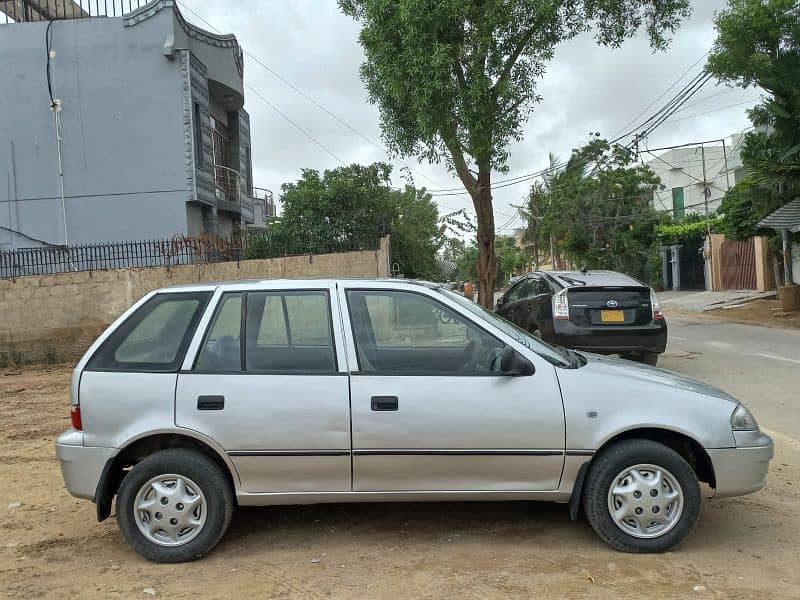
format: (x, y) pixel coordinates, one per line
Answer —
(21, 11)
(47, 260)
(226, 184)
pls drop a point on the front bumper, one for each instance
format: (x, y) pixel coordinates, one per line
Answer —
(611, 339)
(742, 470)
(81, 466)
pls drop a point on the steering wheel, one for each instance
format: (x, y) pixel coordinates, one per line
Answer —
(472, 354)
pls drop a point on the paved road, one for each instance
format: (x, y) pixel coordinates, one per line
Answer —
(758, 365)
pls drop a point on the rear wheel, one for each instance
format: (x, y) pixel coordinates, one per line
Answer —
(174, 506)
(641, 496)
(645, 357)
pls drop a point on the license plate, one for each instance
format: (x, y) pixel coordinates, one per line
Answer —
(612, 316)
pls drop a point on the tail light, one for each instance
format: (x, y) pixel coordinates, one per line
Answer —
(560, 306)
(75, 417)
(658, 313)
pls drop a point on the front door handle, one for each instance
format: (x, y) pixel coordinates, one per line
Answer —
(210, 402)
(381, 403)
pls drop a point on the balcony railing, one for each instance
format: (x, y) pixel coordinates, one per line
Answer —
(266, 198)
(226, 184)
(21, 11)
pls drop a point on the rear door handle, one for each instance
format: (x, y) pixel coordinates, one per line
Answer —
(381, 403)
(210, 402)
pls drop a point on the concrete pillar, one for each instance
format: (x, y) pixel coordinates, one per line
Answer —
(763, 267)
(716, 240)
(663, 251)
(787, 257)
(676, 267)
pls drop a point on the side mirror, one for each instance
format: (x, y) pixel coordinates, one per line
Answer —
(500, 302)
(514, 364)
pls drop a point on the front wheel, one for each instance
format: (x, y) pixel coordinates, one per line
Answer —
(174, 506)
(641, 496)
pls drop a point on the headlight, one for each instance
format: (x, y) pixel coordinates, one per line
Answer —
(742, 420)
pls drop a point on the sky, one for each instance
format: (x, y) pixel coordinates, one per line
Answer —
(314, 47)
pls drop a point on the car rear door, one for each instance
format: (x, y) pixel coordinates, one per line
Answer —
(266, 380)
(430, 409)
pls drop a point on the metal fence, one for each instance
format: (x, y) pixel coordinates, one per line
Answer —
(20, 11)
(169, 252)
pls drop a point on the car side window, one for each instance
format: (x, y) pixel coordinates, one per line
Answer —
(221, 350)
(289, 332)
(155, 337)
(515, 293)
(408, 333)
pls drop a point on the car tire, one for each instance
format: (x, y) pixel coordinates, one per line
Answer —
(623, 467)
(645, 357)
(187, 492)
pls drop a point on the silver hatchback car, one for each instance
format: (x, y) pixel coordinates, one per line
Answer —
(203, 397)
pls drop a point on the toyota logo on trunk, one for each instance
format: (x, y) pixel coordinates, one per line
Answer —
(612, 304)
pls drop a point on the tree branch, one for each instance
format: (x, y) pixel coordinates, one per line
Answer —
(512, 60)
(457, 154)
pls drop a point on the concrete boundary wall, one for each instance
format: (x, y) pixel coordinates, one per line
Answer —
(54, 318)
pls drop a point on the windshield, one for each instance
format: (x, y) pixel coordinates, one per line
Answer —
(557, 356)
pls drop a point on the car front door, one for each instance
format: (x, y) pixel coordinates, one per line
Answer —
(532, 309)
(267, 383)
(509, 305)
(431, 410)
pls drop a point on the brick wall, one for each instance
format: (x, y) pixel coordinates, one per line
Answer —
(54, 318)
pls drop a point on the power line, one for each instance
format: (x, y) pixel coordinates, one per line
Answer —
(642, 130)
(298, 127)
(712, 111)
(664, 93)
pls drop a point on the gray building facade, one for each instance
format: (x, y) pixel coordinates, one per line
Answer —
(146, 136)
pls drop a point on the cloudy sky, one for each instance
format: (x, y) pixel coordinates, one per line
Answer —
(310, 44)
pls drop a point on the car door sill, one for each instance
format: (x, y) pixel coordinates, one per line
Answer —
(282, 498)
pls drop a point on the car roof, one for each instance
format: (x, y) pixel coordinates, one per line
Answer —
(591, 278)
(293, 282)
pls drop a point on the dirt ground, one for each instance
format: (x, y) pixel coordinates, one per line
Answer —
(762, 312)
(52, 547)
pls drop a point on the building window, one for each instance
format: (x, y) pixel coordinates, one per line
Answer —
(249, 171)
(198, 137)
(677, 203)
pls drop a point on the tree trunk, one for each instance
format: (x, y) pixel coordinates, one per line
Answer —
(487, 263)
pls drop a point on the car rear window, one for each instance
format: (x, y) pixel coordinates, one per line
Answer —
(155, 337)
(284, 332)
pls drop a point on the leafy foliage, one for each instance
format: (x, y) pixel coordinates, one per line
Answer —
(598, 210)
(692, 226)
(758, 44)
(352, 206)
(742, 208)
(510, 260)
(455, 80)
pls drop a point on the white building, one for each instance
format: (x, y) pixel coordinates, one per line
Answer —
(681, 173)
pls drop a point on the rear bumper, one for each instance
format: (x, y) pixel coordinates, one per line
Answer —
(740, 471)
(81, 466)
(611, 339)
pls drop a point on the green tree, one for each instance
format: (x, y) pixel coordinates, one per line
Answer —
(350, 207)
(758, 44)
(455, 80)
(597, 208)
(511, 259)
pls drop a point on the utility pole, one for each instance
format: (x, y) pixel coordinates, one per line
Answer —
(706, 194)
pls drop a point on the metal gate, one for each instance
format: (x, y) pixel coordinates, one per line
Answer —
(738, 265)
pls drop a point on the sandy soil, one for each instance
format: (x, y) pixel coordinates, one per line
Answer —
(761, 312)
(52, 547)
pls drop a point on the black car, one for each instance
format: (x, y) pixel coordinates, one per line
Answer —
(597, 311)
